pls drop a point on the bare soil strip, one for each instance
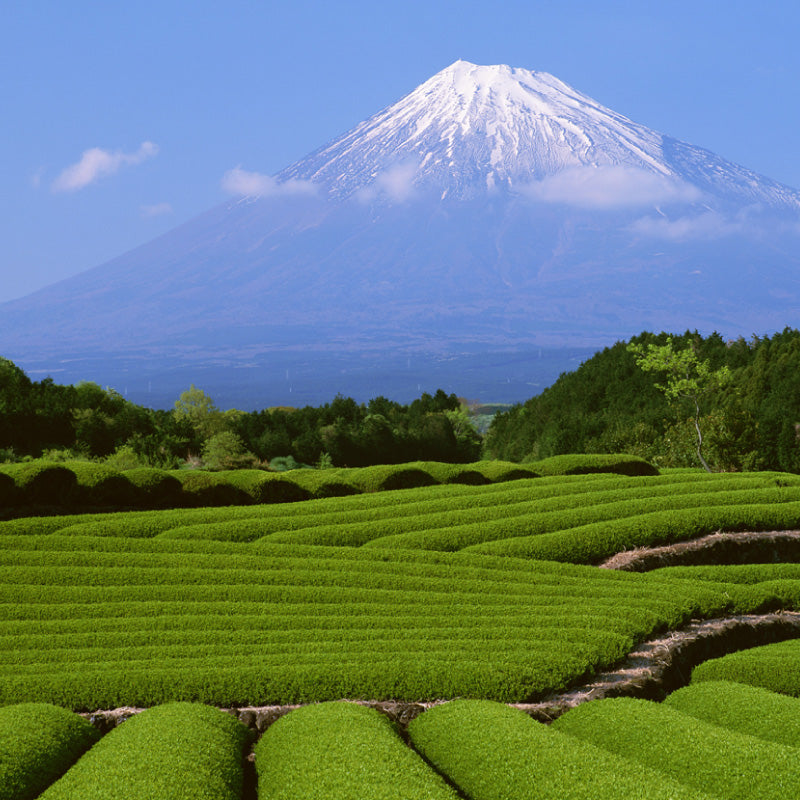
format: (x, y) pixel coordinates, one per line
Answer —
(750, 547)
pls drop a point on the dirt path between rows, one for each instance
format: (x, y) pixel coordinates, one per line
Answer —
(749, 547)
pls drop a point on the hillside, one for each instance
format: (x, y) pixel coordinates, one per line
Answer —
(609, 405)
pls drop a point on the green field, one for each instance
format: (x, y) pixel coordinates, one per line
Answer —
(478, 589)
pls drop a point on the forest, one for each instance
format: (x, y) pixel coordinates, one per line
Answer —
(611, 405)
(43, 418)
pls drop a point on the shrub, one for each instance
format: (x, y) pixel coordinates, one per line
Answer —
(100, 485)
(157, 488)
(775, 667)
(42, 482)
(341, 750)
(586, 463)
(712, 759)
(226, 450)
(39, 743)
(493, 752)
(209, 489)
(178, 751)
(751, 710)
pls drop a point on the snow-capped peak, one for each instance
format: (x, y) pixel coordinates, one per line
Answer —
(473, 128)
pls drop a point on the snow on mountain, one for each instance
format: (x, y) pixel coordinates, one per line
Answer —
(470, 128)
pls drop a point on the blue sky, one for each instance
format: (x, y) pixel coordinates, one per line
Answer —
(120, 120)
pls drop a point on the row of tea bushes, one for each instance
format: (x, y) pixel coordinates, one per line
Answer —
(38, 744)
(725, 739)
(178, 751)
(687, 749)
(493, 752)
(563, 518)
(100, 622)
(78, 484)
(751, 710)
(342, 751)
(775, 667)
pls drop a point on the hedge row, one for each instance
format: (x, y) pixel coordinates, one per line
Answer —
(685, 749)
(589, 544)
(38, 744)
(178, 751)
(341, 751)
(99, 622)
(774, 666)
(78, 484)
(494, 752)
(751, 710)
(444, 517)
(585, 463)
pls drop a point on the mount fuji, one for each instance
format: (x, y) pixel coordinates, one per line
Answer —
(489, 217)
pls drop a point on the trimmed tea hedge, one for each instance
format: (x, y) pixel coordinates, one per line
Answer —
(710, 758)
(178, 751)
(774, 666)
(38, 744)
(746, 709)
(42, 483)
(585, 463)
(494, 752)
(341, 751)
(92, 622)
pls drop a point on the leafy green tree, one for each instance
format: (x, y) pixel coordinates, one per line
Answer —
(225, 450)
(686, 376)
(199, 409)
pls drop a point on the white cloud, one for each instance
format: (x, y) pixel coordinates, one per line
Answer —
(610, 188)
(709, 225)
(253, 184)
(156, 210)
(97, 163)
(396, 184)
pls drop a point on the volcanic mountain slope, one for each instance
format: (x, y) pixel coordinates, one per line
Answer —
(490, 208)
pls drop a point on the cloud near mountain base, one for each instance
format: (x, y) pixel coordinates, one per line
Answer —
(610, 188)
(240, 182)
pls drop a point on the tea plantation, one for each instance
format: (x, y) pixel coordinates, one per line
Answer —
(487, 589)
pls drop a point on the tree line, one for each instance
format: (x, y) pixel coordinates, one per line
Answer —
(615, 402)
(85, 420)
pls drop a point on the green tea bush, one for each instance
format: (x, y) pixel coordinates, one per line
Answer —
(42, 483)
(8, 490)
(209, 489)
(341, 751)
(494, 752)
(39, 743)
(709, 758)
(746, 709)
(323, 482)
(179, 751)
(100, 485)
(593, 542)
(157, 488)
(775, 667)
(592, 462)
(500, 471)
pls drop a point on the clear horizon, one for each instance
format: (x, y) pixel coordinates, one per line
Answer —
(126, 120)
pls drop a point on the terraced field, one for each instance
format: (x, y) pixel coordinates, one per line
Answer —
(490, 592)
